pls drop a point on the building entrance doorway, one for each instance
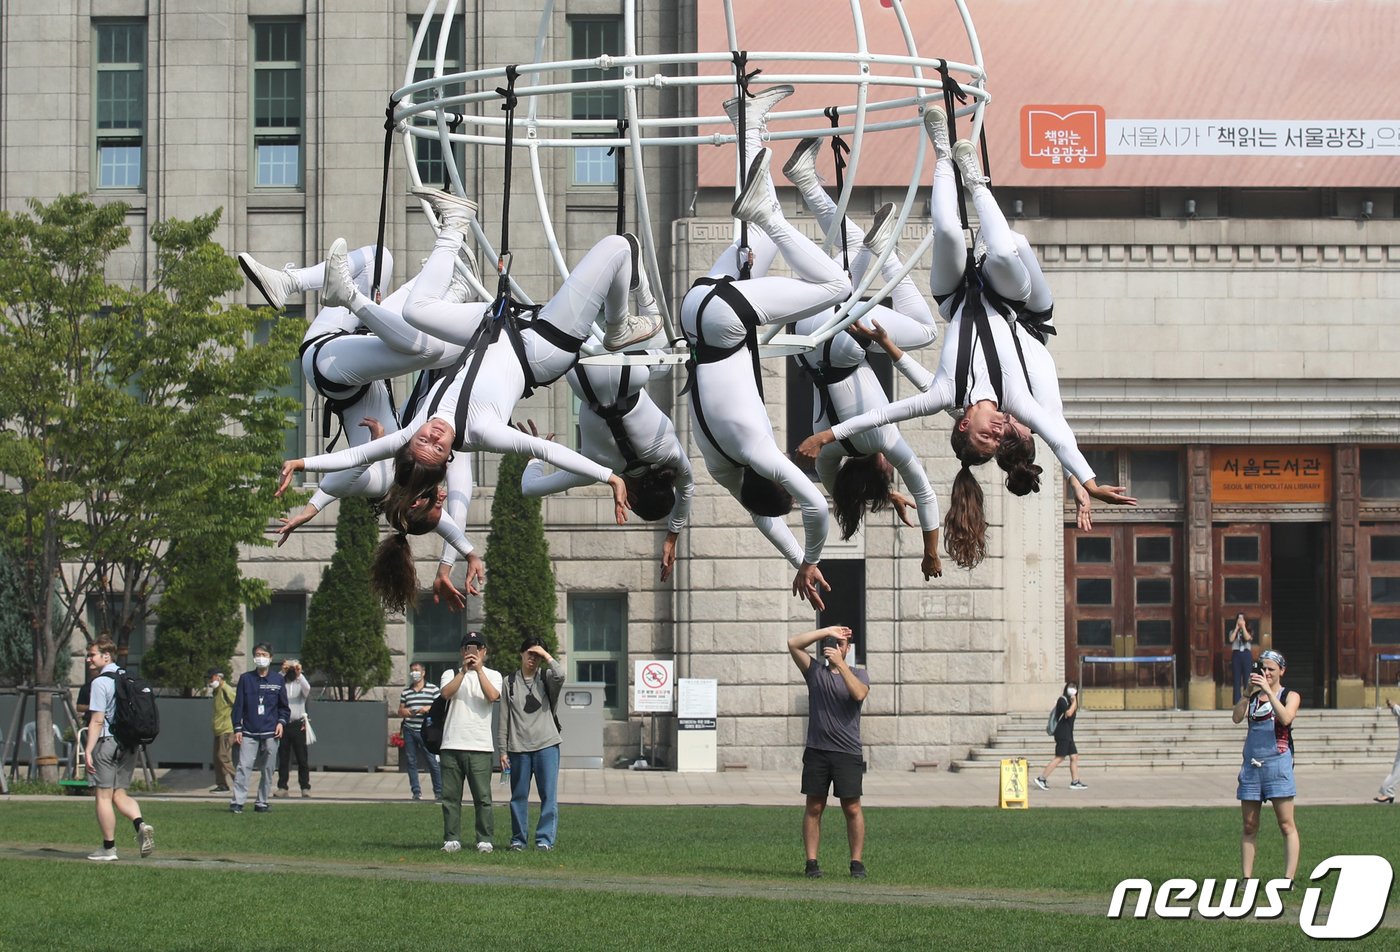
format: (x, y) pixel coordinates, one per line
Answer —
(1300, 556)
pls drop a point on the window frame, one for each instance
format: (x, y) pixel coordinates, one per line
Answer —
(280, 652)
(580, 107)
(259, 133)
(138, 132)
(432, 170)
(577, 656)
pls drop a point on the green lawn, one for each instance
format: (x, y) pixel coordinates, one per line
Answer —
(361, 876)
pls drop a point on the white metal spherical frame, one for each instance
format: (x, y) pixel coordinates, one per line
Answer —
(875, 93)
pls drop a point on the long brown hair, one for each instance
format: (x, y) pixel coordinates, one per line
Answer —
(861, 482)
(965, 524)
(392, 575)
(1016, 457)
(412, 481)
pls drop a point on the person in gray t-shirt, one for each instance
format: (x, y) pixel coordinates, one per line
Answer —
(832, 759)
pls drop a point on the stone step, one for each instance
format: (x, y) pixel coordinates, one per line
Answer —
(1180, 763)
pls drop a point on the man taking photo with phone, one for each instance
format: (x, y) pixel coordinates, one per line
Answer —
(832, 759)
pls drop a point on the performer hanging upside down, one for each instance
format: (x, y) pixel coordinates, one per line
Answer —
(720, 316)
(621, 427)
(858, 472)
(350, 369)
(980, 370)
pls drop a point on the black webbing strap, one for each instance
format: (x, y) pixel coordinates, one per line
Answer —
(332, 407)
(839, 150)
(703, 353)
(421, 388)
(823, 377)
(613, 413)
(974, 321)
(383, 198)
(741, 83)
(621, 161)
(452, 127)
(952, 90)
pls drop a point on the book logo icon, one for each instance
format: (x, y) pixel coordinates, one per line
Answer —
(1062, 137)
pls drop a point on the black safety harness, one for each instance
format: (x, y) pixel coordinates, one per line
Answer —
(613, 413)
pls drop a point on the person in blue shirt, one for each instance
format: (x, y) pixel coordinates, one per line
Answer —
(260, 715)
(109, 763)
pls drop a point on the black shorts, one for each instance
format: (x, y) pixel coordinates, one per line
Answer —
(827, 769)
(1064, 745)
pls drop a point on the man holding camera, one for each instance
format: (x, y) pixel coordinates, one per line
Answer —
(467, 745)
(832, 758)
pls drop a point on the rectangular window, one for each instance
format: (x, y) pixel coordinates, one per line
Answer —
(1095, 633)
(294, 438)
(281, 623)
(119, 102)
(1094, 549)
(598, 646)
(589, 38)
(278, 103)
(1385, 591)
(1155, 633)
(1241, 548)
(1385, 631)
(1154, 550)
(1380, 473)
(1385, 548)
(1094, 591)
(1241, 591)
(431, 170)
(1155, 475)
(437, 637)
(1154, 591)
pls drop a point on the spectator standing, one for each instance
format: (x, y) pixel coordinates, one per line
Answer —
(1268, 711)
(527, 735)
(1066, 707)
(260, 714)
(1387, 794)
(223, 695)
(109, 764)
(294, 738)
(467, 752)
(1241, 656)
(832, 759)
(414, 702)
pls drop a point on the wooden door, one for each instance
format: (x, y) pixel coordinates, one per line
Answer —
(1242, 583)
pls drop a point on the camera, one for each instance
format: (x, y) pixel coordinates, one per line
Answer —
(829, 642)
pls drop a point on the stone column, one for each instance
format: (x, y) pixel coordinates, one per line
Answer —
(1346, 494)
(1200, 692)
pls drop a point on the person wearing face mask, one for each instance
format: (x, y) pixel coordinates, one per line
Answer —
(260, 715)
(527, 735)
(1065, 709)
(832, 758)
(223, 695)
(414, 702)
(293, 744)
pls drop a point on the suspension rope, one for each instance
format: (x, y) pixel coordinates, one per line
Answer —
(742, 76)
(620, 155)
(452, 127)
(383, 197)
(503, 262)
(839, 151)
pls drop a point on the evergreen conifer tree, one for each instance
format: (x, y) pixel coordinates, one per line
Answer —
(345, 624)
(201, 618)
(519, 597)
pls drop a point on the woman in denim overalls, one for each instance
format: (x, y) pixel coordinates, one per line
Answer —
(1267, 773)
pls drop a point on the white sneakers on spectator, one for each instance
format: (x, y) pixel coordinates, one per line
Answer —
(452, 846)
(484, 847)
(104, 855)
(146, 838)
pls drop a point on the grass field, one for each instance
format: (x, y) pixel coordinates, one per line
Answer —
(370, 876)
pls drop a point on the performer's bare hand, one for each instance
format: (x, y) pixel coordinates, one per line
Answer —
(931, 566)
(620, 504)
(1113, 495)
(813, 444)
(376, 429)
(668, 556)
(533, 430)
(902, 504)
(445, 591)
(290, 525)
(808, 584)
(289, 470)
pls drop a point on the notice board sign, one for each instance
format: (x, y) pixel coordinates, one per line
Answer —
(1271, 474)
(654, 687)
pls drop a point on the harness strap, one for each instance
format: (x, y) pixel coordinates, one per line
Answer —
(621, 162)
(334, 407)
(742, 77)
(703, 353)
(824, 377)
(613, 413)
(383, 197)
(839, 149)
(974, 321)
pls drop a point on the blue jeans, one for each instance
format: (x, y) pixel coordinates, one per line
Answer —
(543, 766)
(413, 747)
(1239, 672)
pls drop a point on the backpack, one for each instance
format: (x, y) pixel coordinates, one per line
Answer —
(433, 723)
(136, 722)
(1053, 723)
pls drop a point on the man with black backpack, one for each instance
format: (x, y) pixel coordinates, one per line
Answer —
(110, 763)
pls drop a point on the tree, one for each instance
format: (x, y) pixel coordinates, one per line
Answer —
(519, 600)
(201, 612)
(345, 623)
(126, 417)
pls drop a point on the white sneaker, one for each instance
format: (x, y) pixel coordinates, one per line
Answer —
(452, 846)
(936, 127)
(275, 286)
(339, 289)
(965, 155)
(484, 847)
(757, 107)
(881, 234)
(103, 855)
(755, 203)
(801, 168)
(454, 212)
(640, 284)
(1040, 782)
(1078, 785)
(631, 329)
(146, 837)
